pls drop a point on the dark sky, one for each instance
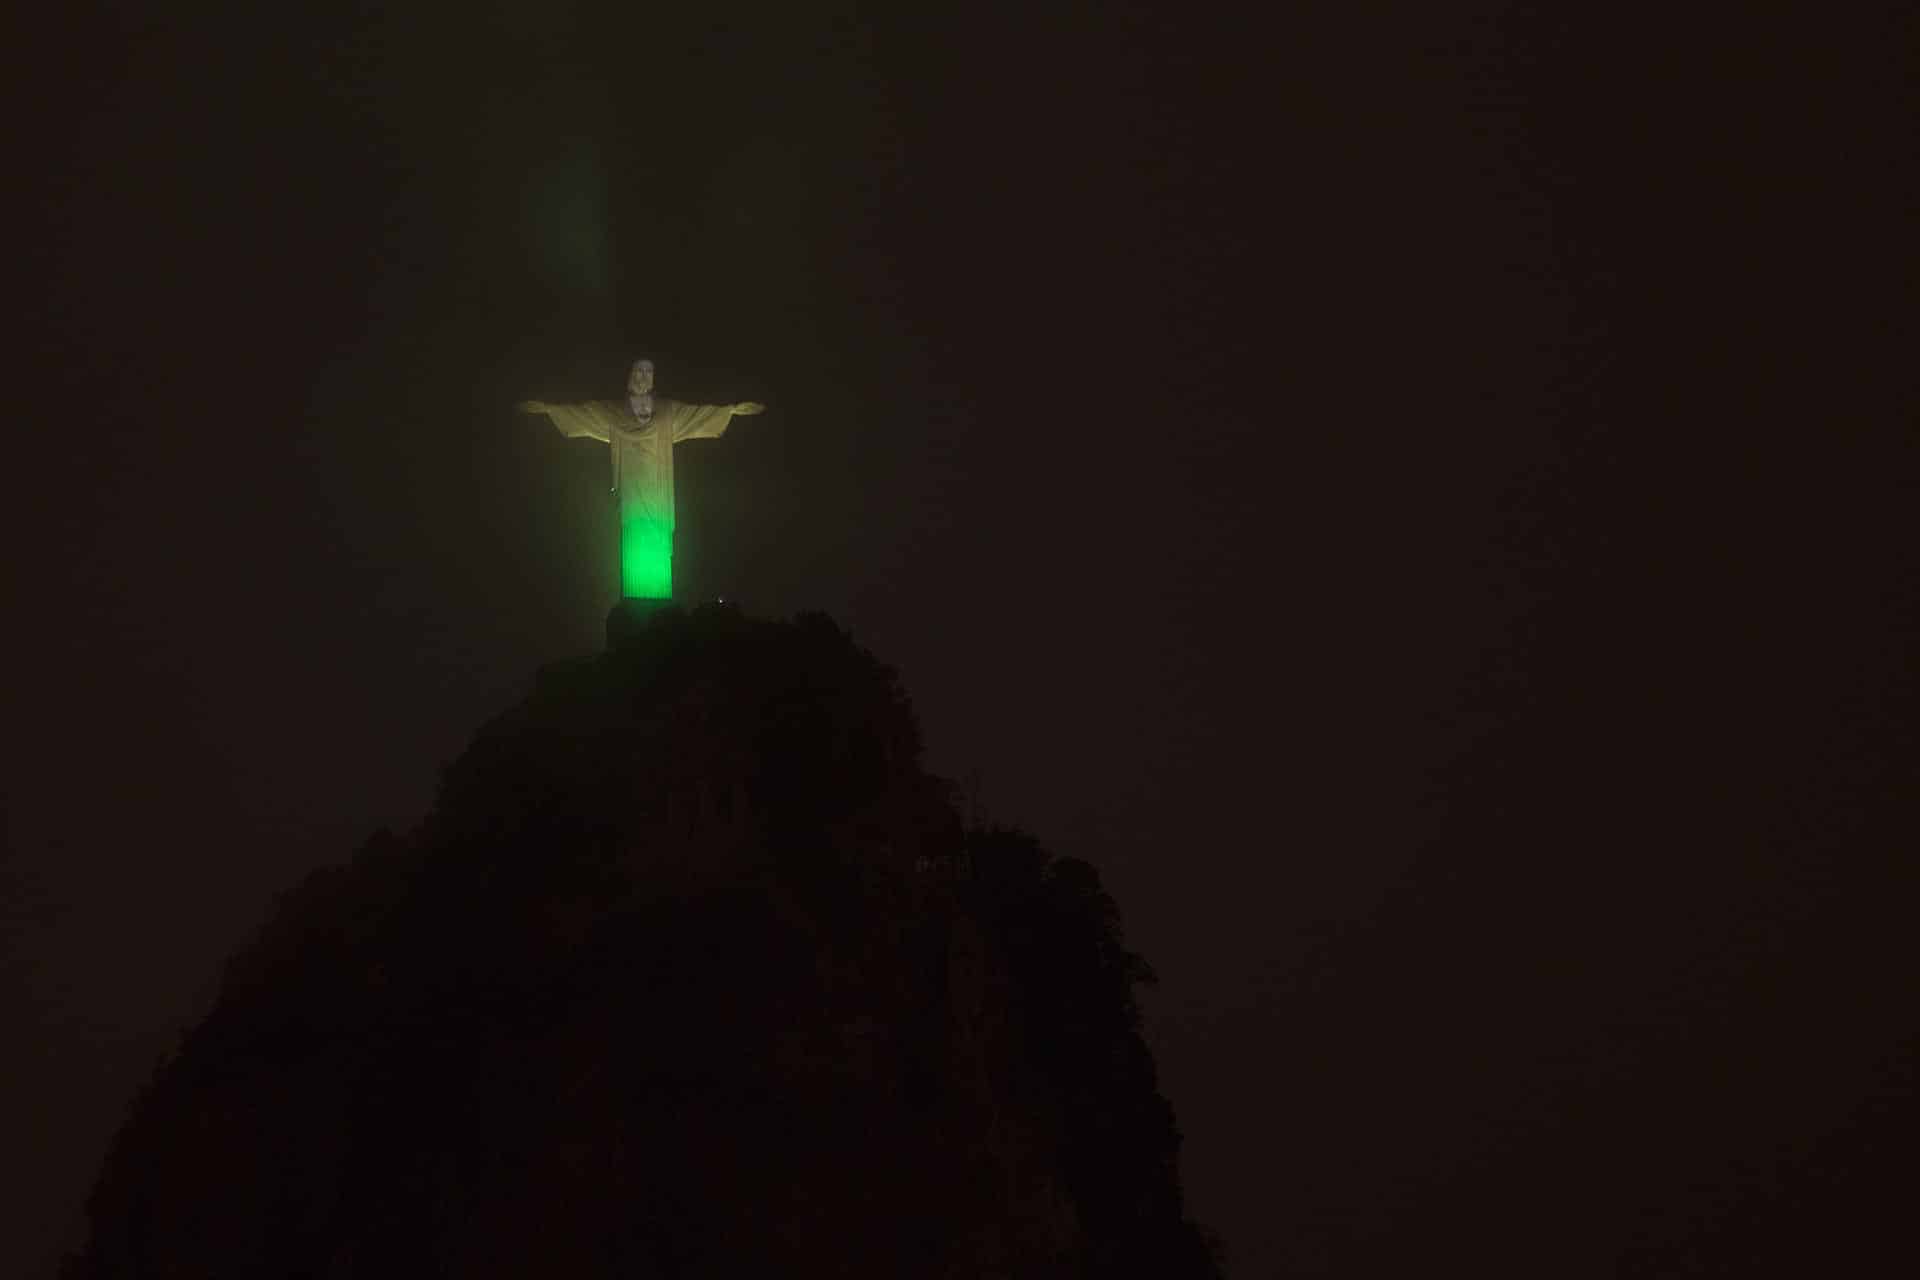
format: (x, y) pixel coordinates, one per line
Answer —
(1420, 495)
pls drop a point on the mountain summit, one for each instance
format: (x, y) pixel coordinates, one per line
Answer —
(693, 970)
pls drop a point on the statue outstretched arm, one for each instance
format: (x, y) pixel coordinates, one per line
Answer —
(595, 420)
(705, 421)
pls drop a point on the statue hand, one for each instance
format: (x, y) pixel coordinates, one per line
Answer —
(747, 408)
(531, 406)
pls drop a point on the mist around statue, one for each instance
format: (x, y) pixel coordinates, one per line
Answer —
(692, 970)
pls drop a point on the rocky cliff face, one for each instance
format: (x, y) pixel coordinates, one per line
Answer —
(692, 971)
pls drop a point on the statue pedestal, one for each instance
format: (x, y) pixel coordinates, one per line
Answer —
(631, 617)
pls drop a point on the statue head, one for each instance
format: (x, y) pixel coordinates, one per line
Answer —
(640, 390)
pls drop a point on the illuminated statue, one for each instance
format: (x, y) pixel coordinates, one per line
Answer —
(642, 431)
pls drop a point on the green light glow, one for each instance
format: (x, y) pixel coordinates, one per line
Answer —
(566, 220)
(646, 559)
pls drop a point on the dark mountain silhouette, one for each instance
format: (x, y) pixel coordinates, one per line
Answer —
(692, 971)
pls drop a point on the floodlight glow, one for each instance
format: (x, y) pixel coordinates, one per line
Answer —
(646, 560)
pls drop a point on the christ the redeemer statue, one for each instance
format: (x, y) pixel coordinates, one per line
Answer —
(642, 431)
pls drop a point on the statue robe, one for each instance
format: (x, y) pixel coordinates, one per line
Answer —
(643, 476)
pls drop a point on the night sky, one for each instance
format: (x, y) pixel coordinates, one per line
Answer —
(1421, 495)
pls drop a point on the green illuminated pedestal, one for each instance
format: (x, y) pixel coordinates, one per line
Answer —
(646, 557)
